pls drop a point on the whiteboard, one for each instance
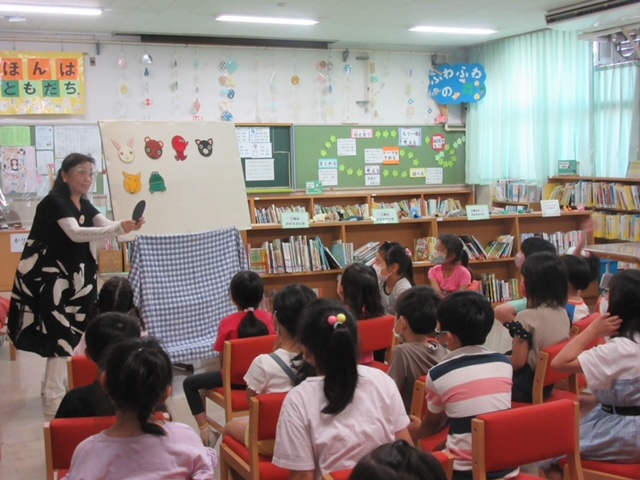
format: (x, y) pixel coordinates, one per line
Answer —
(188, 189)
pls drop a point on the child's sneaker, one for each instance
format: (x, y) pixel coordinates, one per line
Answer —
(208, 436)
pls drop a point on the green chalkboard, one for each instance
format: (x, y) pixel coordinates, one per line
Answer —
(251, 141)
(378, 156)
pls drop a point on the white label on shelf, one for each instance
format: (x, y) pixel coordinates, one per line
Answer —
(295, 219)
(550, 208)
(434, 176)
(17, 241)
(385, 215)
(477, 212)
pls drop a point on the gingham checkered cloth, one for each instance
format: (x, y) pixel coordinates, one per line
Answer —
(181, 286)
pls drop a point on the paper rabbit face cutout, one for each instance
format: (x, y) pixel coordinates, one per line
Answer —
(125, 152)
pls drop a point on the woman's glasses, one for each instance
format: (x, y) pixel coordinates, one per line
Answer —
(85, 172)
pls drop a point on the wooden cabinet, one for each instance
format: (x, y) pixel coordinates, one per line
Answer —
(8, 259)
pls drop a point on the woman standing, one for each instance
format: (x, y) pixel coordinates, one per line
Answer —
(56, 283)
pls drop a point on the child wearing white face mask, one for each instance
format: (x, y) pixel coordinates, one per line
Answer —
(394, 268)
(415, 329)
(451, 273)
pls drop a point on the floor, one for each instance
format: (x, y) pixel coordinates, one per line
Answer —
(21, 418)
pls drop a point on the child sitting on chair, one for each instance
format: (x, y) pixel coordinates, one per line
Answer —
(103, 333)
(469, 381)
(418, 350)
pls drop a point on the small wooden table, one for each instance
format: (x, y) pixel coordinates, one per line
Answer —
(621, 252)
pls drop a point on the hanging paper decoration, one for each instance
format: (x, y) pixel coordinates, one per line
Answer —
(295, 80)
(228, 68)
(460, 83)
(196, 106)
(132, 182)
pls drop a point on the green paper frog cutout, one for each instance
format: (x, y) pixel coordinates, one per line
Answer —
(156, 183)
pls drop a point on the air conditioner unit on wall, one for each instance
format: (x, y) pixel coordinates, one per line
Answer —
(594, 16)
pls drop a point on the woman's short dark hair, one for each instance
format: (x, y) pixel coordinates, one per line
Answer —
(71, 161)
(398, 461)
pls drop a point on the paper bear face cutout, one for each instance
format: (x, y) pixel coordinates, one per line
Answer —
(153, 148)
(205, 147)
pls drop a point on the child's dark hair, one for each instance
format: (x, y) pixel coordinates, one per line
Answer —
(137, 377)
(624, 301)
(532, 245)
(394, 253)
(116, 295)
(468, 316)
(398, 461)
(287, 308)
(419, 305)
(454, 246)
(71, 161)
(577, 270)
(107, 330)
(545, 281)
(361, 291)
(247, 290)
(334, 348)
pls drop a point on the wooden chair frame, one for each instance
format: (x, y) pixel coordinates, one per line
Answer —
(540, 378)
(225, 401)
(573, 467)
(48, 451)
(418, 399)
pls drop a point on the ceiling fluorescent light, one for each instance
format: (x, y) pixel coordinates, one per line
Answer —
(54, 10)
(469, 31)
(269, 20)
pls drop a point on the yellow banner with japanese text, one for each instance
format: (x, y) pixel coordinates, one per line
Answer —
(41, 83)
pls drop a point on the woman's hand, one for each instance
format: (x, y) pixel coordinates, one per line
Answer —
(130, 225)
(604, 326)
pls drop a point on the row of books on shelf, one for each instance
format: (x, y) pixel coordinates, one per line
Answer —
(502, 247)
(597, 194)
(619, 226)
(410, 208)
(512, 190)
(561, 240)
(500, 290)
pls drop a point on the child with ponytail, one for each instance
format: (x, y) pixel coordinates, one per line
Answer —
(394, 267)
(138, 380)
(247, 290)
(330, 421)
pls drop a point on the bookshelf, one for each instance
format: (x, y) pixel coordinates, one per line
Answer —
(509, 194)
(406, 231)
(614, 201)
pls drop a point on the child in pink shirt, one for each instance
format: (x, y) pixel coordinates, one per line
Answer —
(451, 272)
(138, 380)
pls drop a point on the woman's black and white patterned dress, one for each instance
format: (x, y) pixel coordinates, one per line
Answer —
(55, 284)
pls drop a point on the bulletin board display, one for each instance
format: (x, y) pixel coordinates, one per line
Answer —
(30, 155)
(341, 156)
(265, 154)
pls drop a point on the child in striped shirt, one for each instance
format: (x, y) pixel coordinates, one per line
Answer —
(469, 381)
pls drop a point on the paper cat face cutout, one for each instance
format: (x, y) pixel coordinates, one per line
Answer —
(132, 182)
(125, 152)
(153, 148)
(205, 147)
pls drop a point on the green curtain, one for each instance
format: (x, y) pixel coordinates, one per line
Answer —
(536, 110)
(613, 106)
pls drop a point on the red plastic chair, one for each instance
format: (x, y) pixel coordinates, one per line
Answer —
(82, 371)
(238, 355)
(419, 409)
(610, 471)
(376, 334)
(445, 459)
(511, 438)
(248, 463)
(580, 325)
(63, 435)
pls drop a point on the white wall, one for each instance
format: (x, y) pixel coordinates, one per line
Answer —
(263, 89)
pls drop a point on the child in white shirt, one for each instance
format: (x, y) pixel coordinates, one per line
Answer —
(394, 268)
(329, 422)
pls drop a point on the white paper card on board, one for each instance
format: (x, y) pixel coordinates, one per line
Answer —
(294, 219)
(43, 159)
(373, 155)
(410, 137)
(372, 169)
(245, 149)
(434, 176)
(417, 172)
(328, 177)
(385, 215)
(347, 147)
(372, 180)
(477, 212)
(259, 134)
(259, 170)
(242, 134)
(261, 150)
(550, 208)
(17, 241)
(44, 137)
